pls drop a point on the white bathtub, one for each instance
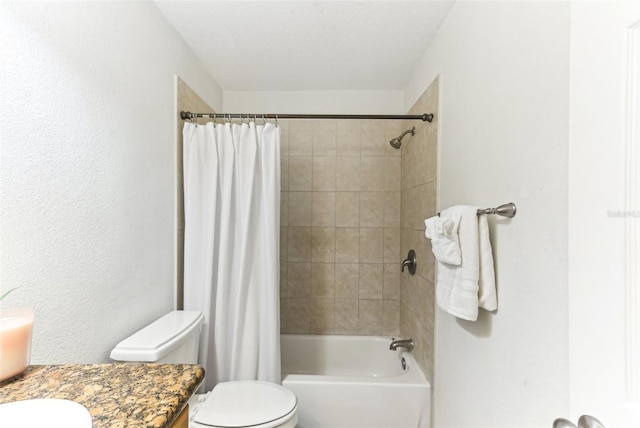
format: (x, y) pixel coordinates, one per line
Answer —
(354, 381)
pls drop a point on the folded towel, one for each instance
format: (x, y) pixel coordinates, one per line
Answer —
(458, 287)
(444, 239)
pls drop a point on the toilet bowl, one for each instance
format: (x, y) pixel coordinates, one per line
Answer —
(174, 339)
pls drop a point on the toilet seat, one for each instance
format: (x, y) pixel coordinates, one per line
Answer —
(247, 404)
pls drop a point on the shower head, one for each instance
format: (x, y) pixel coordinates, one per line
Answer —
(397, 142)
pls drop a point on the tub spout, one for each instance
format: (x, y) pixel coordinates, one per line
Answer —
(401, 343)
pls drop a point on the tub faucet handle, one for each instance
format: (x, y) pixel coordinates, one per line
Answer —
(410, 262)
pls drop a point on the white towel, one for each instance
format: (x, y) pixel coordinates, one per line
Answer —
(458, 287)
(444, 239)
(487, 297)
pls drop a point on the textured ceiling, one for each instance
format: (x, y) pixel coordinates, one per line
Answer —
(308, 45)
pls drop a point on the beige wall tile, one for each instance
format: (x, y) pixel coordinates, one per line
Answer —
(392, 206)
(348, 173)
(347, 245)
(370, 316)
(371, 209)
(299, 244)
(284, 280)
(323, 244)
(391, 281)
(299, 315)
(299, 209)
(371, 173)
(407, 207)
(284, 209)
(392, 173)
(348, 137)
(370, 285)
(324, 138)
(284, 173)
(425, 205)
(299, 279)
(300, 138)
(347, 277)
(284, 137)
(372, 138)
(322, 316)
(300, 173)
(346, 316)
(371, 245)
(391, 237)
(390, 317)
(324, 209)
(324, 173)
(284, 244)
(322, 280)
(283, 315)
(347, 209)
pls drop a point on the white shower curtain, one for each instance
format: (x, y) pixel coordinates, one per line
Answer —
(231, 249)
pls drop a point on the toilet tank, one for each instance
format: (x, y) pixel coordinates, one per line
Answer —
(172, 339)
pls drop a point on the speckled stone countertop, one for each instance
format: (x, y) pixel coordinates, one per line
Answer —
(117, 395)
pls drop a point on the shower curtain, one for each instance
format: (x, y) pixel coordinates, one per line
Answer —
(231, 248)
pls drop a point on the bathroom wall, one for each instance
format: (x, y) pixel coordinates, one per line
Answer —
(87, 177)
(504, 91)
(340, 227)
(320, 102)
(419, 186)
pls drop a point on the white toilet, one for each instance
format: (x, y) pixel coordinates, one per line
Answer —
(174, 339)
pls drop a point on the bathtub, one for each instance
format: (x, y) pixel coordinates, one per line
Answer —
(354, 381)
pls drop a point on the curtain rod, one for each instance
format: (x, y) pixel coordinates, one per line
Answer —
(187, 115)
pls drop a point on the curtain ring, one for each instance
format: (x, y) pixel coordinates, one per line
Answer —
(264, 120)
(214, 119)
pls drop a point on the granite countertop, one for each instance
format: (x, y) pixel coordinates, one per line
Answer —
(117, 395)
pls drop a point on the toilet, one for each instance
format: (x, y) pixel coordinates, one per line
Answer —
(174, 339)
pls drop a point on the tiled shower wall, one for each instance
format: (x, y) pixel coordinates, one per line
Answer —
(419, 185)
(340, 227)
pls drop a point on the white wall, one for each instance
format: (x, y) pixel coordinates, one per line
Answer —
(87, 169)
(600, 33)
(314, 102)
(504, 137)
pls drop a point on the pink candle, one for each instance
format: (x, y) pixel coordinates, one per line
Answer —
(16, 325)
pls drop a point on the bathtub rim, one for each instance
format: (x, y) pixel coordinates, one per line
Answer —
(412, 377)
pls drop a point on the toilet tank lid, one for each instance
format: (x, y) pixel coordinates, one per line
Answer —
(158, 338)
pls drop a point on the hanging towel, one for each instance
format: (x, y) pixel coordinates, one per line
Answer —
(444, 239)
(487, 297)
(458, 287)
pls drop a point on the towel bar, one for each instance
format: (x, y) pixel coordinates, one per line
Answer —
(504, 210)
